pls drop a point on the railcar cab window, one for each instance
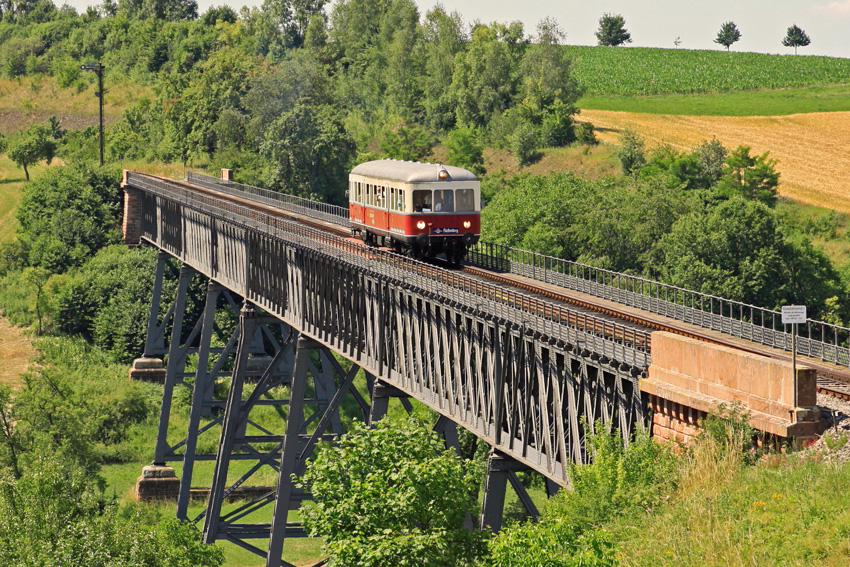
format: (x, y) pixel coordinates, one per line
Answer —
(444, 201)
(422, 201)
(465, 199)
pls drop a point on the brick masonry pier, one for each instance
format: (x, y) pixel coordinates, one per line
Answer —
(689, 378)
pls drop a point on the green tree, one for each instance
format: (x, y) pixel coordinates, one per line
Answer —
(392, 496)
(36, 278)
(281, 25)
(215, 14)
(753, 177)
(34, 144)
(733, 250)
(795, 37)
(378, 54)
(548, 91)
(404, 62)
(216, 85)
(408, 142)
(299, 78)
(444, 39)
(168, 10)
(546, 70)
(104, 301)
(10, 447)
(465, 151)
(308, 152)
(711, 155)
(630, 152)
(612, 30)
(484, 81)
(727, 35)
(68, 213)
(524, 143)
(596, 222)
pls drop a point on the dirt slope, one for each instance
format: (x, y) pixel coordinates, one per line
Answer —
(813, 150)
(15, 353)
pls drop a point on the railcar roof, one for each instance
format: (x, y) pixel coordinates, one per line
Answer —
(411, 171)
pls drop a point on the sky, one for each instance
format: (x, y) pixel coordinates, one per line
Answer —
(656, 23)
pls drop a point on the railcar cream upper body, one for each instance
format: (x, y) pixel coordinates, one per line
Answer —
(421, 208)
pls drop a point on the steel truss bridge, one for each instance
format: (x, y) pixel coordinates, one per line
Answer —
(525, 374)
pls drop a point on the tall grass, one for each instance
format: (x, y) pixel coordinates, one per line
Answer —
(784, 510)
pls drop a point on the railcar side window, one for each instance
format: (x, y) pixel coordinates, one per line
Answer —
(444, 201)
(397, 199)
(465, 199)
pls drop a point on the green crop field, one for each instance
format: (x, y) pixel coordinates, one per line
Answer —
(638, 71)
(735, 103)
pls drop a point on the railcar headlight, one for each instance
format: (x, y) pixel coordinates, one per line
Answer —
(466, 224)
(420, 225)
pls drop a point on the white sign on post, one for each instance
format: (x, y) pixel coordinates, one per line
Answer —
(793, 314)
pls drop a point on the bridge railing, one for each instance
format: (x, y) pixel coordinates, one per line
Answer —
(313, 209)
(817, 339)
(618, 343)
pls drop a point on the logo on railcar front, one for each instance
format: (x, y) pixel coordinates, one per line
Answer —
(445, 231)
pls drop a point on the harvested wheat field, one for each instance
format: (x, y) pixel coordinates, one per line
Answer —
(813, 150)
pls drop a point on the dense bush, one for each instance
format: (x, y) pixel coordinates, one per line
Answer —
(78, 402)
(392, 495)
(56, 514)
(107, 300)
(69, 213)
(621, 480)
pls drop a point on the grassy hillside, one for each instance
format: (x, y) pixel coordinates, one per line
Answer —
(642, 71)
(786, 510)
(26, 100)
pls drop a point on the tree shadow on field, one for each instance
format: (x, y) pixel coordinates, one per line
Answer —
(12, 180)
(604, 129)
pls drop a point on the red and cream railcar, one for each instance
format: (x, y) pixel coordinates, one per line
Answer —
(421, 209)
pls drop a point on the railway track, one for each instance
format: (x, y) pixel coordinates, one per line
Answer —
(832, 380)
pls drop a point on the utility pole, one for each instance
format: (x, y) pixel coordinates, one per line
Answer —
(98, 70)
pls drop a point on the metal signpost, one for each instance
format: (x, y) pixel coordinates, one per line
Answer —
(793, 315)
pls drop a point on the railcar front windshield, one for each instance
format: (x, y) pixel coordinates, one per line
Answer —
(466, 199)
(422, 201)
